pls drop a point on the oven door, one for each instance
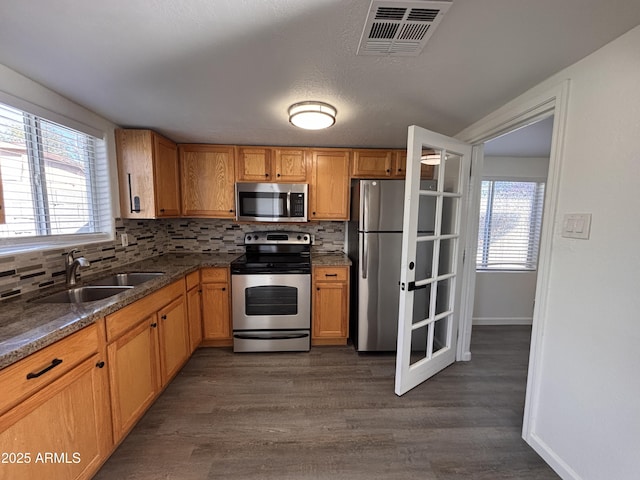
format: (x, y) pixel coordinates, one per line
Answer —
(271, 301)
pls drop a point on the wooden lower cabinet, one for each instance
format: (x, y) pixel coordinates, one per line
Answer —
(134, 376)
(63, 431)
(330, 305)
(216, 307)
(173, 330)
(194, 310)
(148, 344)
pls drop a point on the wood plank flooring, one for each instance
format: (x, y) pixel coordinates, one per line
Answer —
(332, 414)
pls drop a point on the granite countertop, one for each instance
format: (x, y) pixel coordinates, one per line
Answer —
(26, 327)
(330, 259)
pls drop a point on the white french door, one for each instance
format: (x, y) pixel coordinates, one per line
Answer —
(432, 260)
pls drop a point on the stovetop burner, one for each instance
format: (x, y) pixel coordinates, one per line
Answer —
(275, 252)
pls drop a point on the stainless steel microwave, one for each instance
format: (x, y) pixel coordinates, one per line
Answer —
(271, 202)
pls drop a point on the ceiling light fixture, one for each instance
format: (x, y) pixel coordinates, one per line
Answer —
(430, 159)
(312, 115)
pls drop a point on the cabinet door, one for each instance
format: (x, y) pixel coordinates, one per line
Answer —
(426, 171)
(330, 312)
(134, 151)
(208, 181)
(253, 165)
(63, 428)
(133, 374)
(329, 189)
(173, 331)
(371, 163)
(216, 321)
(290, 165)
(167, 177)
(195, 317)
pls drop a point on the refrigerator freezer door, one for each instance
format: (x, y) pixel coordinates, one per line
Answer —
(382, 206)
(378, 293)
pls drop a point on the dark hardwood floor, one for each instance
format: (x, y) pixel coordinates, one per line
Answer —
(332, 414)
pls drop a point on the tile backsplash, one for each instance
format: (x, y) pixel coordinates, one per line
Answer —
(21, 273)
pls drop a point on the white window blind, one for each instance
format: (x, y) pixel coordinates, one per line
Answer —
(54, 179)
(510, 224)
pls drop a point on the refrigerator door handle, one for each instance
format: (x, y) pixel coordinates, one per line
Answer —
(365, 255)
(365, 207)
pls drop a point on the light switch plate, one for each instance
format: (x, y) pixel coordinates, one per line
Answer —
(576, 225)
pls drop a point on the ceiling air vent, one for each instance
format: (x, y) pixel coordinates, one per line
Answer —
(395, 27)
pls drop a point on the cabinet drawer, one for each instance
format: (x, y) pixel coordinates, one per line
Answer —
(217, 274)
(48, 364)
(193, 280)
(127, 317)
(330, 273)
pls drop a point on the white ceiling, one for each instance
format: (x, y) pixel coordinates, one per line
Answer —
(533, 140)
(225, 71)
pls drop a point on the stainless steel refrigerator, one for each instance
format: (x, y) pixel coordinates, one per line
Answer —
(374, 238)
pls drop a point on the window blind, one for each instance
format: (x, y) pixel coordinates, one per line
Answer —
(510, 224)
(54, 179)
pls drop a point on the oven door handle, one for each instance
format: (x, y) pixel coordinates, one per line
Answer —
(280, 336)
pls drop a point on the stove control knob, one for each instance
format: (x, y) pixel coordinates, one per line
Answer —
(306, 238)
(255, 237)
(299, 237)
(248, 238)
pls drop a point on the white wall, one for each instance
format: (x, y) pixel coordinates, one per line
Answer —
(506, 298)
(585, 405)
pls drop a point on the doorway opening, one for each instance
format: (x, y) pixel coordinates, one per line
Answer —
(514, 176)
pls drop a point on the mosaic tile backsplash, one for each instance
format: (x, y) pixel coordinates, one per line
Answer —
(22, 273)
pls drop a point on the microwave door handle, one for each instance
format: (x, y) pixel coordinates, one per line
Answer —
(288, 214)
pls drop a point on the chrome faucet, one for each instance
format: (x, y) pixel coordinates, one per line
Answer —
(72, 265)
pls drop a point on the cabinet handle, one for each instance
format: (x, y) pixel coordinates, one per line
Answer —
(231, 211)
(134, 206)
(154, 325)
(162, 210)
(163, 317)
(318, 288)
(388, 171)
(278, 175)
(266, 174)
(313, 213)
(54, 363)
(224, 288)
(100, 364)
(330, 274)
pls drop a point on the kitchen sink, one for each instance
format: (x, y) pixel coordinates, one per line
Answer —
(128, 279)
(89, 293)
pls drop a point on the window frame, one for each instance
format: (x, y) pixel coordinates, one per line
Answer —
(103, 220)
(532, 264)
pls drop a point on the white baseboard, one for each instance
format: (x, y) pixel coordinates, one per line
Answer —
(554, 461)
(503, 320)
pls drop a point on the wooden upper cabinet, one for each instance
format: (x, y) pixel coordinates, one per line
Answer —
(207, 173)
(329, 188)
(263, 164)
(426, 171)
(253, 164)
(148, 174)
(372, 163)
(290, 165)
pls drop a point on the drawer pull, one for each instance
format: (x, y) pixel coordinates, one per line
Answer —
(54, 363)
(330, 274)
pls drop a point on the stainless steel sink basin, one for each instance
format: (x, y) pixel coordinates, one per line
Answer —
(83, 294)
(131, 278)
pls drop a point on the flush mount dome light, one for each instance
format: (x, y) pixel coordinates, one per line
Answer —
(312, 115)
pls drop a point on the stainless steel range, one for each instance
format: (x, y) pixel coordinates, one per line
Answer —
(271, 293)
